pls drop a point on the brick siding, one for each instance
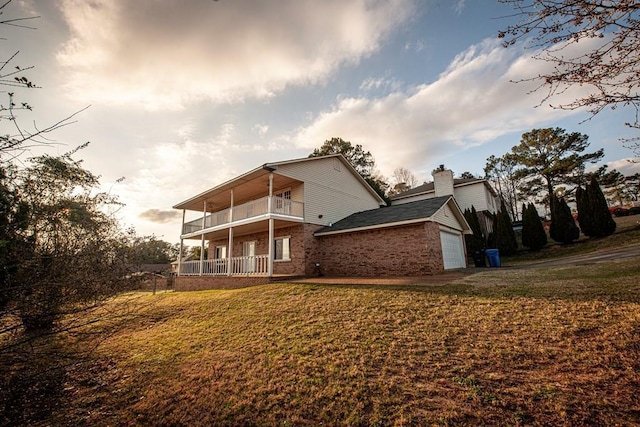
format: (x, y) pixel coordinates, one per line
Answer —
(200, 283)
(410, 250)
(303, 248)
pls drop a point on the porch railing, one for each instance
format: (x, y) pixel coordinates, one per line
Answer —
(254, 208)
(240, 266)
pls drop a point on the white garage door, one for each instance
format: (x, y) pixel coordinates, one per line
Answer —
(452, 250)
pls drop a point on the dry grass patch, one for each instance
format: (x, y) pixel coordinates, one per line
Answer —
(506, 347)
(627, 232)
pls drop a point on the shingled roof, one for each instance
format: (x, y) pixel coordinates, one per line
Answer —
(388, 215)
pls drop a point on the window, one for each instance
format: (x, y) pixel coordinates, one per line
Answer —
(221, 252)
(282, 249)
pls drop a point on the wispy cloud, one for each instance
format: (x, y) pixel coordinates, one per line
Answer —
(165, 55)
(160, 216)
(473, 101)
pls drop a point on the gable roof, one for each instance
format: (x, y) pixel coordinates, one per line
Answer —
(388, 216)
(261, 172)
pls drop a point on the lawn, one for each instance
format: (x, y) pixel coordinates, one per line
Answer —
(558, 346)
(510, 346)
(627, 231)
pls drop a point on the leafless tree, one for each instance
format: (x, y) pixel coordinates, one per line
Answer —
(15, 138)
(558, 29)
(403, 180)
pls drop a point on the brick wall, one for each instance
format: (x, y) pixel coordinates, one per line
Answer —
(301, 237)
(200, 283)
(409, 250)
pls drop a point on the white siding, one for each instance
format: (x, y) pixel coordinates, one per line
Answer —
(415, 198)
(329, 191)
(466, 195)
(473, 194)
(445, 216)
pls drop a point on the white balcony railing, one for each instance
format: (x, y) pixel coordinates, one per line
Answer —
(240, 266)
(247, 210)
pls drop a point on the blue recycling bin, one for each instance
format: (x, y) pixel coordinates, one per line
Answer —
(493, 255)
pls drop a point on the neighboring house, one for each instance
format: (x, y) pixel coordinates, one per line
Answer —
(313, 216)
(468, 192)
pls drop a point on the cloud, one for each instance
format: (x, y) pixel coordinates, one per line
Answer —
(459, 6)
(472, 102)
(160, 216)
(261, 129)
(165, 55)
(628, 166)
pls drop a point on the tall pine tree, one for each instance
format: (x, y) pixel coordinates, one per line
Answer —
(533, 234)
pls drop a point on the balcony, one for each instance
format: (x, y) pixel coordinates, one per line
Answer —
(253, 209)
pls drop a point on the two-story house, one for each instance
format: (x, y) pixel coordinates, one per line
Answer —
(311, 216)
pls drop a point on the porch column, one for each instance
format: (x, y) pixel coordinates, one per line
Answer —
(230, 252)
(204, 218)
(230, 244)
(270, 261)
(180, 257)
(181, 244)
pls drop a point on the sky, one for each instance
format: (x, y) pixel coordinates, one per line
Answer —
(186, 94)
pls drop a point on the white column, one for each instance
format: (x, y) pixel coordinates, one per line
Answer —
(204, 219)
(230, 251)
(180, 257)
(230, 244)
(181, 244)
(271, 243)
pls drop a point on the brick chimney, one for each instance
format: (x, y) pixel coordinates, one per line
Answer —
(443, 181)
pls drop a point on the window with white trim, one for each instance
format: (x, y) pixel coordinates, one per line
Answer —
(282, 249)
(220, 252)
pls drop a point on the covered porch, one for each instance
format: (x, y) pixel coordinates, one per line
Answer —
(257, 204)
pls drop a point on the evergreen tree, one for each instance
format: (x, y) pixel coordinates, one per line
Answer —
(475, 241)
(505, 237)
(533, 234)
(585, 212)
(563, 227)
(603, 224)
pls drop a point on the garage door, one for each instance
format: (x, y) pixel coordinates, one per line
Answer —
(452, 250)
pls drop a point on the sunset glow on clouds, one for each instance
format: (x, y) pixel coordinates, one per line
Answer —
(187, 94)
(165, 55)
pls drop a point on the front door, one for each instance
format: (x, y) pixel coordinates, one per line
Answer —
(248, 255)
